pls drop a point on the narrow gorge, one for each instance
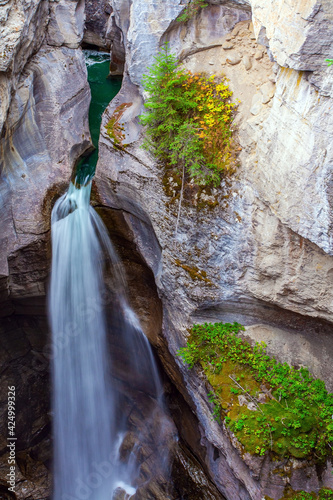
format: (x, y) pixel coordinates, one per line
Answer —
(153, 254)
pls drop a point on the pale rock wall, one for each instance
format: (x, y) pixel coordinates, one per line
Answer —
(298, 32)
(44, 138)
(287, 150)
(259, 250)
(44, 129)
(45, 100)
(156, 16)
(66, 23)
(22, 30)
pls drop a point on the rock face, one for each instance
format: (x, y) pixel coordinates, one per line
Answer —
(257, 250)
(41, 143)
(66, 23)
(297, 33)
(44, 129)
(96, 24)
(41, 139)
(45, 132)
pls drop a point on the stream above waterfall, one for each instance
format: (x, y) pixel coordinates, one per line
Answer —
(103, 89)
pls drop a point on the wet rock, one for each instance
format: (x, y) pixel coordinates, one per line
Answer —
(28, 371)
(119, 494)
(97, 21)
(127, 446)
(186, 466)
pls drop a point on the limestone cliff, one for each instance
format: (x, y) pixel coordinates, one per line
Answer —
(44, 129)
(257, 250)
(46, 124)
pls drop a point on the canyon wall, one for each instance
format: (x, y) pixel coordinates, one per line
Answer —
(258, 250)
(44, 128)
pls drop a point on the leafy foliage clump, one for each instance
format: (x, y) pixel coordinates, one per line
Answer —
(115, 129)
(189, 120)
(191, 9)
(284, 410)
(323, 494)
(329, 62)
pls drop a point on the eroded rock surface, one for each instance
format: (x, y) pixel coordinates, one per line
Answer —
(258, 249)
(299, 34)
(44, 107)
(46, 131)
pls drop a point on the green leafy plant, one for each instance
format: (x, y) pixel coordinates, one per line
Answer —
(115, 129)
(285, 411)
(188, 120)
(323, 494)
(329, 62)
(191, 9)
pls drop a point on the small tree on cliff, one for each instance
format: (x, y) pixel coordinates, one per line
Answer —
(188, 119)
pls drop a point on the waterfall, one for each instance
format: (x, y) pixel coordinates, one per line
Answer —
(89, 421)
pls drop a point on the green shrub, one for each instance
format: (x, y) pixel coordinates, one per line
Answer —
(323, 494)
(188, 120)
(296, 417)
(191, 9)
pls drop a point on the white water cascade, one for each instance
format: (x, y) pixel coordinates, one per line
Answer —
(88, 424)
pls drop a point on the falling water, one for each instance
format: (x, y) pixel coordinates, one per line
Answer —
(88, 422)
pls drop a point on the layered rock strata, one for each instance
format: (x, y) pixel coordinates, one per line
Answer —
(44, 134)
(258, 249)
(44, 129)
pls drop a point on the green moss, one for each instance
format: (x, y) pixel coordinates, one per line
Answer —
(283, 411)
(323, 494)
(201, 197)
(192, 9)
(194, 272)
(115, 129)
(172, 183)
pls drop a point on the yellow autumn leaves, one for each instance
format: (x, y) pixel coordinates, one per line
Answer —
(213, 116)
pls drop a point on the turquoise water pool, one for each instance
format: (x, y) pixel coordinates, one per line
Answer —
(103, 90)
